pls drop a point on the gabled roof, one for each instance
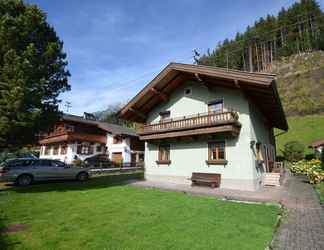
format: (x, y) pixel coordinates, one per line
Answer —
(111, 128)
(260, 88)
(317, 144)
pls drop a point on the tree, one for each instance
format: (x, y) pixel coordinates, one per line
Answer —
(296, 29)
(32, 74)
(294, 151)
(110, 115)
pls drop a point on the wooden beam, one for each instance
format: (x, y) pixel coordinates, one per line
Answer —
(198, 77)
(192, 132)
(236, 82)
(137, 112)
(163, 96)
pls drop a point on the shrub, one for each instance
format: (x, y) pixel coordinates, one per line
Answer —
(310, 168)
(294, 151)
(77, 163)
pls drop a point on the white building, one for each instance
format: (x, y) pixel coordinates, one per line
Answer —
(209, 120)
(78, 138)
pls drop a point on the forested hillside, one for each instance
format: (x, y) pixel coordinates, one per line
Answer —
(300, 28)
(300, 80)
(290, 45)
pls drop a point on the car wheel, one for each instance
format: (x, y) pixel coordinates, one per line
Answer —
(83, 176)
(24, 180)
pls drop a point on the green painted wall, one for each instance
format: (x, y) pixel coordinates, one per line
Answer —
(190, 156)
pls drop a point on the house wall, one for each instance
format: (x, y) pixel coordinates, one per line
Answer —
(127, 146)
(123, 147)
(261, 132)
(190, 156)
(71, 154)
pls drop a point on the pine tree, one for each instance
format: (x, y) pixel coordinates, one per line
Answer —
(32, 74)
(296, 29)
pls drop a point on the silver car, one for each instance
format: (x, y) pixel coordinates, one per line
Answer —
(26, 170)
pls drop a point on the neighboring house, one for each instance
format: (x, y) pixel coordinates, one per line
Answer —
(318, 148)
(76, 137)
(209, 120)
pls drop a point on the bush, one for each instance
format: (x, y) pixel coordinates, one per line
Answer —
(77, 163)
(322, 159)
(294, 151)
(310, 168)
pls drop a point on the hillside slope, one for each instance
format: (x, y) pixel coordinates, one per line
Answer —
(300, 80)
(305, 129)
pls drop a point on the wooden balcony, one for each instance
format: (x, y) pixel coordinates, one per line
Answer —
(206, 123)
(65, 136)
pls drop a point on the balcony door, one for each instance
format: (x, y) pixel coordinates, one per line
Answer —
(164, 116)
(216, 106)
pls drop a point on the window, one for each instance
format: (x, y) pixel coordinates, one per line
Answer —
(69, 128)
(57, 164)
(215, 106)
(85, 149)
(164, 154)
(117, 139)
(100, 148)
(44, 163)
(63, 149)
(141, 157)
(47, 150)
(216, 152)
(164, 116)
(56, 150)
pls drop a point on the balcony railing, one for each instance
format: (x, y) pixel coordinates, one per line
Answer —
(192, 122)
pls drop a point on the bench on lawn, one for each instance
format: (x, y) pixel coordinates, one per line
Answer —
(205, 178)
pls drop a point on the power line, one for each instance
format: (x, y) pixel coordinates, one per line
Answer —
(132, 82)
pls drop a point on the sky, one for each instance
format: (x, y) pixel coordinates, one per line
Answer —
(115, 48)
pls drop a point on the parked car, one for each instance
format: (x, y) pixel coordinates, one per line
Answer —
(24, 171)
(100, 160)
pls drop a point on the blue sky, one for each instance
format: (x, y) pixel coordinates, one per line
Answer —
(114, 48)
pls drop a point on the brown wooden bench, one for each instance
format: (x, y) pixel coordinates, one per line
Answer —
(207, 179)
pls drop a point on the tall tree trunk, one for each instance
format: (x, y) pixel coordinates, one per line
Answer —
(282, 38)
(257, 56)
(250, 58)
(243, 58)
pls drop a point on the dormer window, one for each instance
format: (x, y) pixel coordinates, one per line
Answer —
(164, 116)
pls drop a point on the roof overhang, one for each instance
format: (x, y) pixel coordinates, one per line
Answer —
(260, 88)
(317, 144)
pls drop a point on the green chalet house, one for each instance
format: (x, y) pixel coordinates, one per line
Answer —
(202, 119)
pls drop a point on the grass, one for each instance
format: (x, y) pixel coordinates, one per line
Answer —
(105, 214)
(320, 189)
(305, 129)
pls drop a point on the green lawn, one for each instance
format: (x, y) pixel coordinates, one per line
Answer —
(305, 129)
(102, 214)
(320, 189)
